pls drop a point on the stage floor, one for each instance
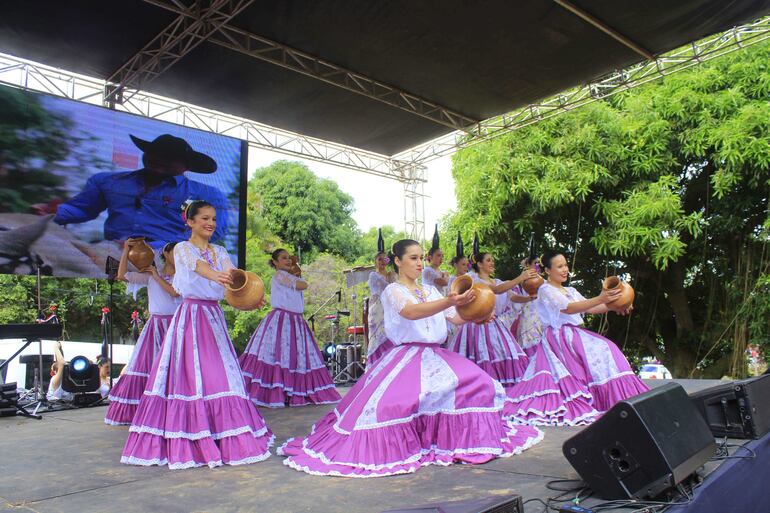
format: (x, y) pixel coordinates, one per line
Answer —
(69, 461)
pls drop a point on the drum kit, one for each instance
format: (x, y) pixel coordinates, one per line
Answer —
(346, 358)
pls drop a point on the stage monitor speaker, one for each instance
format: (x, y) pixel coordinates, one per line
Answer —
(510, 504)
(740, 409)
(642, 446)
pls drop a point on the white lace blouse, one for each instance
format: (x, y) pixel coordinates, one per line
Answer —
(284, 293)
(377, 284)
(190, 284)
(160, 301)
(400, 330)
(429, 276)
(551, 301)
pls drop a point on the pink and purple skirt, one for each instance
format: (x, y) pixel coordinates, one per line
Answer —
(125, 395)
(382, 348)
(418, 405)
(283, 365)
(492, 347)
(195, 410)
(573, 377)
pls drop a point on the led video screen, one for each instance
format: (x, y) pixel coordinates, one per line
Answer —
(77, 180)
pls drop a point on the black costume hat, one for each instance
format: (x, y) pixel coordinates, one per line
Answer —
(380, 242)
(176, 148)
(435, 243)
(459, 246)
(476, 247)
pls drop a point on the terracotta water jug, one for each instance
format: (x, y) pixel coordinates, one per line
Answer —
(626, 297)
(140, 255)
(531, 285)
(246, 292)
(483, 305)
(295, 268)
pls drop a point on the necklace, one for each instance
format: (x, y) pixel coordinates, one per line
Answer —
(419, 293)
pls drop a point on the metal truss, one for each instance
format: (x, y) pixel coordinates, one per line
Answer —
(179, 38)
(286, 57)
(37, 77)
(414, 203)
(618, 81)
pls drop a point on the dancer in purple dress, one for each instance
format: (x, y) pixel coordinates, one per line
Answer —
(282, 363)
(574, 374)
(526, 326)
(195, 410)
(163, 301)
(378, 280)
(490, 344)
(419, 404)
(432, 274)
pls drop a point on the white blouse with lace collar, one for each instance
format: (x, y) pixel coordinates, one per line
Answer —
(400, 330)
(284, 293)
(190, 284)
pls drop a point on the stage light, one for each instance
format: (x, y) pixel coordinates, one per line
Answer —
(79, 365)
(329, 350)
(81, 376)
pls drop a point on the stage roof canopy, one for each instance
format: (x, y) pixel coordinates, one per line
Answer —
(380, 76)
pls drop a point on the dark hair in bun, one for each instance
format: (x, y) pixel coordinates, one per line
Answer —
(274, 256)
(399, 250)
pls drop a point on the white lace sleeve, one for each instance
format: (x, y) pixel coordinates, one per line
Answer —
(223, 258)
(185, 255)
(576, 296)
(137, 278)
(285, 279)
(136, 282)
(395, 298)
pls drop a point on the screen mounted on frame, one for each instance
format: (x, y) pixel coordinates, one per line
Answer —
(77, 180)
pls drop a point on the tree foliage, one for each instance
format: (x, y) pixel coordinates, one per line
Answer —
(306, 212)
(667, 183)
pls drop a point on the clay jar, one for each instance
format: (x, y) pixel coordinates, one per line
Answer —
(531, 285)
(140, 255)
(246, 291)
(626, 298)
(482, 307)
(295, 268)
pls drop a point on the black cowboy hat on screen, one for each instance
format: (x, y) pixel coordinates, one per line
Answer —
(167, 146)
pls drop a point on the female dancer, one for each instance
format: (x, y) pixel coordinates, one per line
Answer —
(378, 280)
(419, 404)
(282, 363)
(195, 410)
(163, 301)
(490, 344)
(432, 275)
(574, 374)
(526, 326)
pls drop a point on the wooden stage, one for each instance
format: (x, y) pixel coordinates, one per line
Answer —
(69, 462)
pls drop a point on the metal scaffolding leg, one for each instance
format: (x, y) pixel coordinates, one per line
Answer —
(414, 202)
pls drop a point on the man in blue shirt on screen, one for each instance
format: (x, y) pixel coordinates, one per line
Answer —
(147, 202)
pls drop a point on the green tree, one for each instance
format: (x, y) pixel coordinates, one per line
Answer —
(306, 212)
(667, 183)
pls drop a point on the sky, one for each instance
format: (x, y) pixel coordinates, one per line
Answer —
(378, 201)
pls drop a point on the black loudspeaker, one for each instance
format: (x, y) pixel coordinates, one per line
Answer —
(740, 409)
(31, 362)
(510, 504)
(9, 399)
(642, 446)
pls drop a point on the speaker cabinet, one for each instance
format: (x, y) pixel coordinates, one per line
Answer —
(740, 409)
(642, 446)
